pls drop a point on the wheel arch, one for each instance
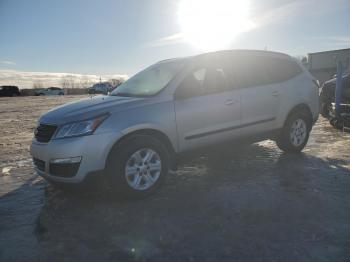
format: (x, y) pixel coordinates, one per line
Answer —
(301, 108)
(162, 137)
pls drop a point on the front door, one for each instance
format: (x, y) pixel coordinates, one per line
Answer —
(207, 108)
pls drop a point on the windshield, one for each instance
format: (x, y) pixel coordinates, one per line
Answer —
(151, 80)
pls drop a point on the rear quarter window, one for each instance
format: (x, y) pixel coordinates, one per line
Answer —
(281, 70)
(252, 70)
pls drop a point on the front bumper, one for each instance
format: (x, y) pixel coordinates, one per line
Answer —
(93, 151)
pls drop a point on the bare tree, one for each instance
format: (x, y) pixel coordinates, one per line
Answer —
(115, 82)
(64, 82)
(68, 82)
(38, 84)
(85, 82)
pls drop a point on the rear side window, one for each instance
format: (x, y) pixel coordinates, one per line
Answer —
(261, 70)
(251, 71)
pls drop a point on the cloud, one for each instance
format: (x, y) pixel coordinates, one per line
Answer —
(173, 39)
(7, 62)
(297, 10)
(341, 41)
(334, 42)
(279, 13)
(268, 15)
(25, 79)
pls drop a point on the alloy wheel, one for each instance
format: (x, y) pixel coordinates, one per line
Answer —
(143, 169)
(298, 132)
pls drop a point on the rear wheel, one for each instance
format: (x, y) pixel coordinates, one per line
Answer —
(137, 166)
(295, 133)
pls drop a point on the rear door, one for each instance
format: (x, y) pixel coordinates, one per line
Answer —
(259, 95)
(207, 107)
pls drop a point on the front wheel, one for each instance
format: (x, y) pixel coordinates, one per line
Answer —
(138, 166)
(295, 133)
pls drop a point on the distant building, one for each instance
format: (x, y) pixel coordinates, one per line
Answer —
(323, 65)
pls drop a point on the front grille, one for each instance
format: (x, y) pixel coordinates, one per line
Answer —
(39, 164)
(44, 133)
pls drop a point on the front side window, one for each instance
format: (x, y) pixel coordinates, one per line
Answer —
(192, 85)
(202, 81)
(199, 76)
(151, 80)
(216, 81)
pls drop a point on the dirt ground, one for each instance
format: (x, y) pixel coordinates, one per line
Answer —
(250, 203)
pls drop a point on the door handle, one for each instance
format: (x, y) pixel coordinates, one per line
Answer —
(230, 102)
(275, 93)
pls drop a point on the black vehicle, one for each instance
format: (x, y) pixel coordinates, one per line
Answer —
(327, 96)
(9, 91)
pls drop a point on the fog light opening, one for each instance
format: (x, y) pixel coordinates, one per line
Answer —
(70, 160)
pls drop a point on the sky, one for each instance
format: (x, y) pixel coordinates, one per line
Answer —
(47, 40)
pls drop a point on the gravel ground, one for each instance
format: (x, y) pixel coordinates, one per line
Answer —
(250, 203)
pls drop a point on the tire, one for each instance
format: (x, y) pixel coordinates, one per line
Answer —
(325, 109)
(143, 179)
(326, 99)
(295, 133)
(337, 123)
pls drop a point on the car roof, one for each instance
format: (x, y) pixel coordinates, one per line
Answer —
(246, 52)
(231, 52)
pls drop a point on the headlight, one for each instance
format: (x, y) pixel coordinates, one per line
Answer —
(81, 128)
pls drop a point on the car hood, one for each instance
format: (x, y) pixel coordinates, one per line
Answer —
(88, 108)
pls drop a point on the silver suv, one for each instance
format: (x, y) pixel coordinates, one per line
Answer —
(176, 105)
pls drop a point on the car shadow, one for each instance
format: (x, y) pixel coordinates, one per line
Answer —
(217, 205)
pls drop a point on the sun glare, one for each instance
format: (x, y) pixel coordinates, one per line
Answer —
(213, 24)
